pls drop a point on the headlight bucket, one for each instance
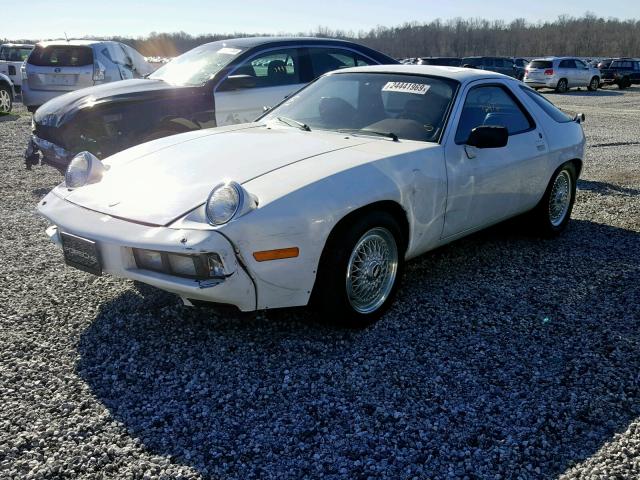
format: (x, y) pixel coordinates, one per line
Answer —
(198, 267)
(227, 201)
(84, 168)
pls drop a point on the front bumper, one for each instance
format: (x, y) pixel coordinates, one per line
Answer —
(115, 239)
(51, 154)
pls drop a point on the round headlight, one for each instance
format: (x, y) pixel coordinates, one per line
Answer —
(223, 203)
(84, 168)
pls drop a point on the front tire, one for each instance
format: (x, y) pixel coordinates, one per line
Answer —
(360, 270)
(6, 100)
(551, 216)
(562, 86)
(594, 84)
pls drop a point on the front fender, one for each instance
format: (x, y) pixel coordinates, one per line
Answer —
(299, 206)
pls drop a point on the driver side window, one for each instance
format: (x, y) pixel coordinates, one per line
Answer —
(491, 105)
(269, 69)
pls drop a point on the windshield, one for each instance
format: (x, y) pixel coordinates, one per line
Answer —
(198, 65)
(408, 106)
(14, 54)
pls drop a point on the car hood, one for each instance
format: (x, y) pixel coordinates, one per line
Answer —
(59, 109)
(158, 182)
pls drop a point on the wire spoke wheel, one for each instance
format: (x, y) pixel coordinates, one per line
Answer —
(5, 101)
(372, 270)
(560, 198)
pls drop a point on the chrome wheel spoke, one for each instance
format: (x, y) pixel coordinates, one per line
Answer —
(560, 198)
(372, 270)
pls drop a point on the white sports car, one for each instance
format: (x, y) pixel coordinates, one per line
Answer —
(326, 196)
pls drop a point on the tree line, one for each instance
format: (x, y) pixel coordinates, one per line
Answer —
(586, 36)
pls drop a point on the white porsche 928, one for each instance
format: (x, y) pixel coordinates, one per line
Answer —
(325, 197)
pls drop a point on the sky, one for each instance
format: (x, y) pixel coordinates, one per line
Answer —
(46, 19)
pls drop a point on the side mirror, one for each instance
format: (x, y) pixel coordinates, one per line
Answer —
(488, 137)
(238, 82)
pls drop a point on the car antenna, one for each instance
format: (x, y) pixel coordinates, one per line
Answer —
(65, 36)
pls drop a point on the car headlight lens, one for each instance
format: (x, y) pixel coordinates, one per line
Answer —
(223, 203)
(83, 169)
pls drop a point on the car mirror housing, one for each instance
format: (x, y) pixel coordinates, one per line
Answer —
(488, 137)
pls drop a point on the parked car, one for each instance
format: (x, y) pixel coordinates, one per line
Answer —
(561, 74)
(6, 94)
(12, 56)
(324, 198)
(520, 65)
(55, 68)
(443, 61)
(502, 65)
(622, 72)
(219, 83)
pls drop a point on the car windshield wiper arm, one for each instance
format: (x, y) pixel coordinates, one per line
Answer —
(364, 131)
(295, 123)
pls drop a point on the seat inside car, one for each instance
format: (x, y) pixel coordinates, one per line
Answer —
(277, 72)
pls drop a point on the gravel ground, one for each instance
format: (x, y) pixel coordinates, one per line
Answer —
(505, 356)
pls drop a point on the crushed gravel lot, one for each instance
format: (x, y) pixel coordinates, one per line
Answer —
(505, 356)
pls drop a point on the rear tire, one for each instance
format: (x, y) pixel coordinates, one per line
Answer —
(563, 86)
(624, 83)
(594, 84)
(6, 99)
(552, 214)
(360, 270)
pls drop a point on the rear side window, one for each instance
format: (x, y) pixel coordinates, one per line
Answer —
(540, 64)
(61, 56)
(492, 105)
(324, 60)
(622, 64)
(548, 107)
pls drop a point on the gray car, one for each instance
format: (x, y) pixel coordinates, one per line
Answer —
(57, 67)
(561, 74)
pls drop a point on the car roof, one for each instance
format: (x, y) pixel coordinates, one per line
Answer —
(17, 45)
(460, 74)
(248, 42)
(75, 43)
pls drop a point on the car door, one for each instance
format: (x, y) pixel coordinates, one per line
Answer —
(635, 74)
(572, 75)
(264, 79)
(488, 185)
(583, 73)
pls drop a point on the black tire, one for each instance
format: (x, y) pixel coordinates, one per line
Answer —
(6, 99)
(563, 86)
(594, 84)
(330, 294)
(32, 108)
(542, 216)
(624, 83)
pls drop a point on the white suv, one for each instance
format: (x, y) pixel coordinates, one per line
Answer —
(561, 74)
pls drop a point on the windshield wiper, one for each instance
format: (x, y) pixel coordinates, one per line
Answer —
(364, 131)
(295, 123)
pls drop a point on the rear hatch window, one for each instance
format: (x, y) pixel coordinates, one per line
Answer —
(61, 56)
(540, 64)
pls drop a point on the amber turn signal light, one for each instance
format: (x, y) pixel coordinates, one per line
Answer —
(277, 254)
